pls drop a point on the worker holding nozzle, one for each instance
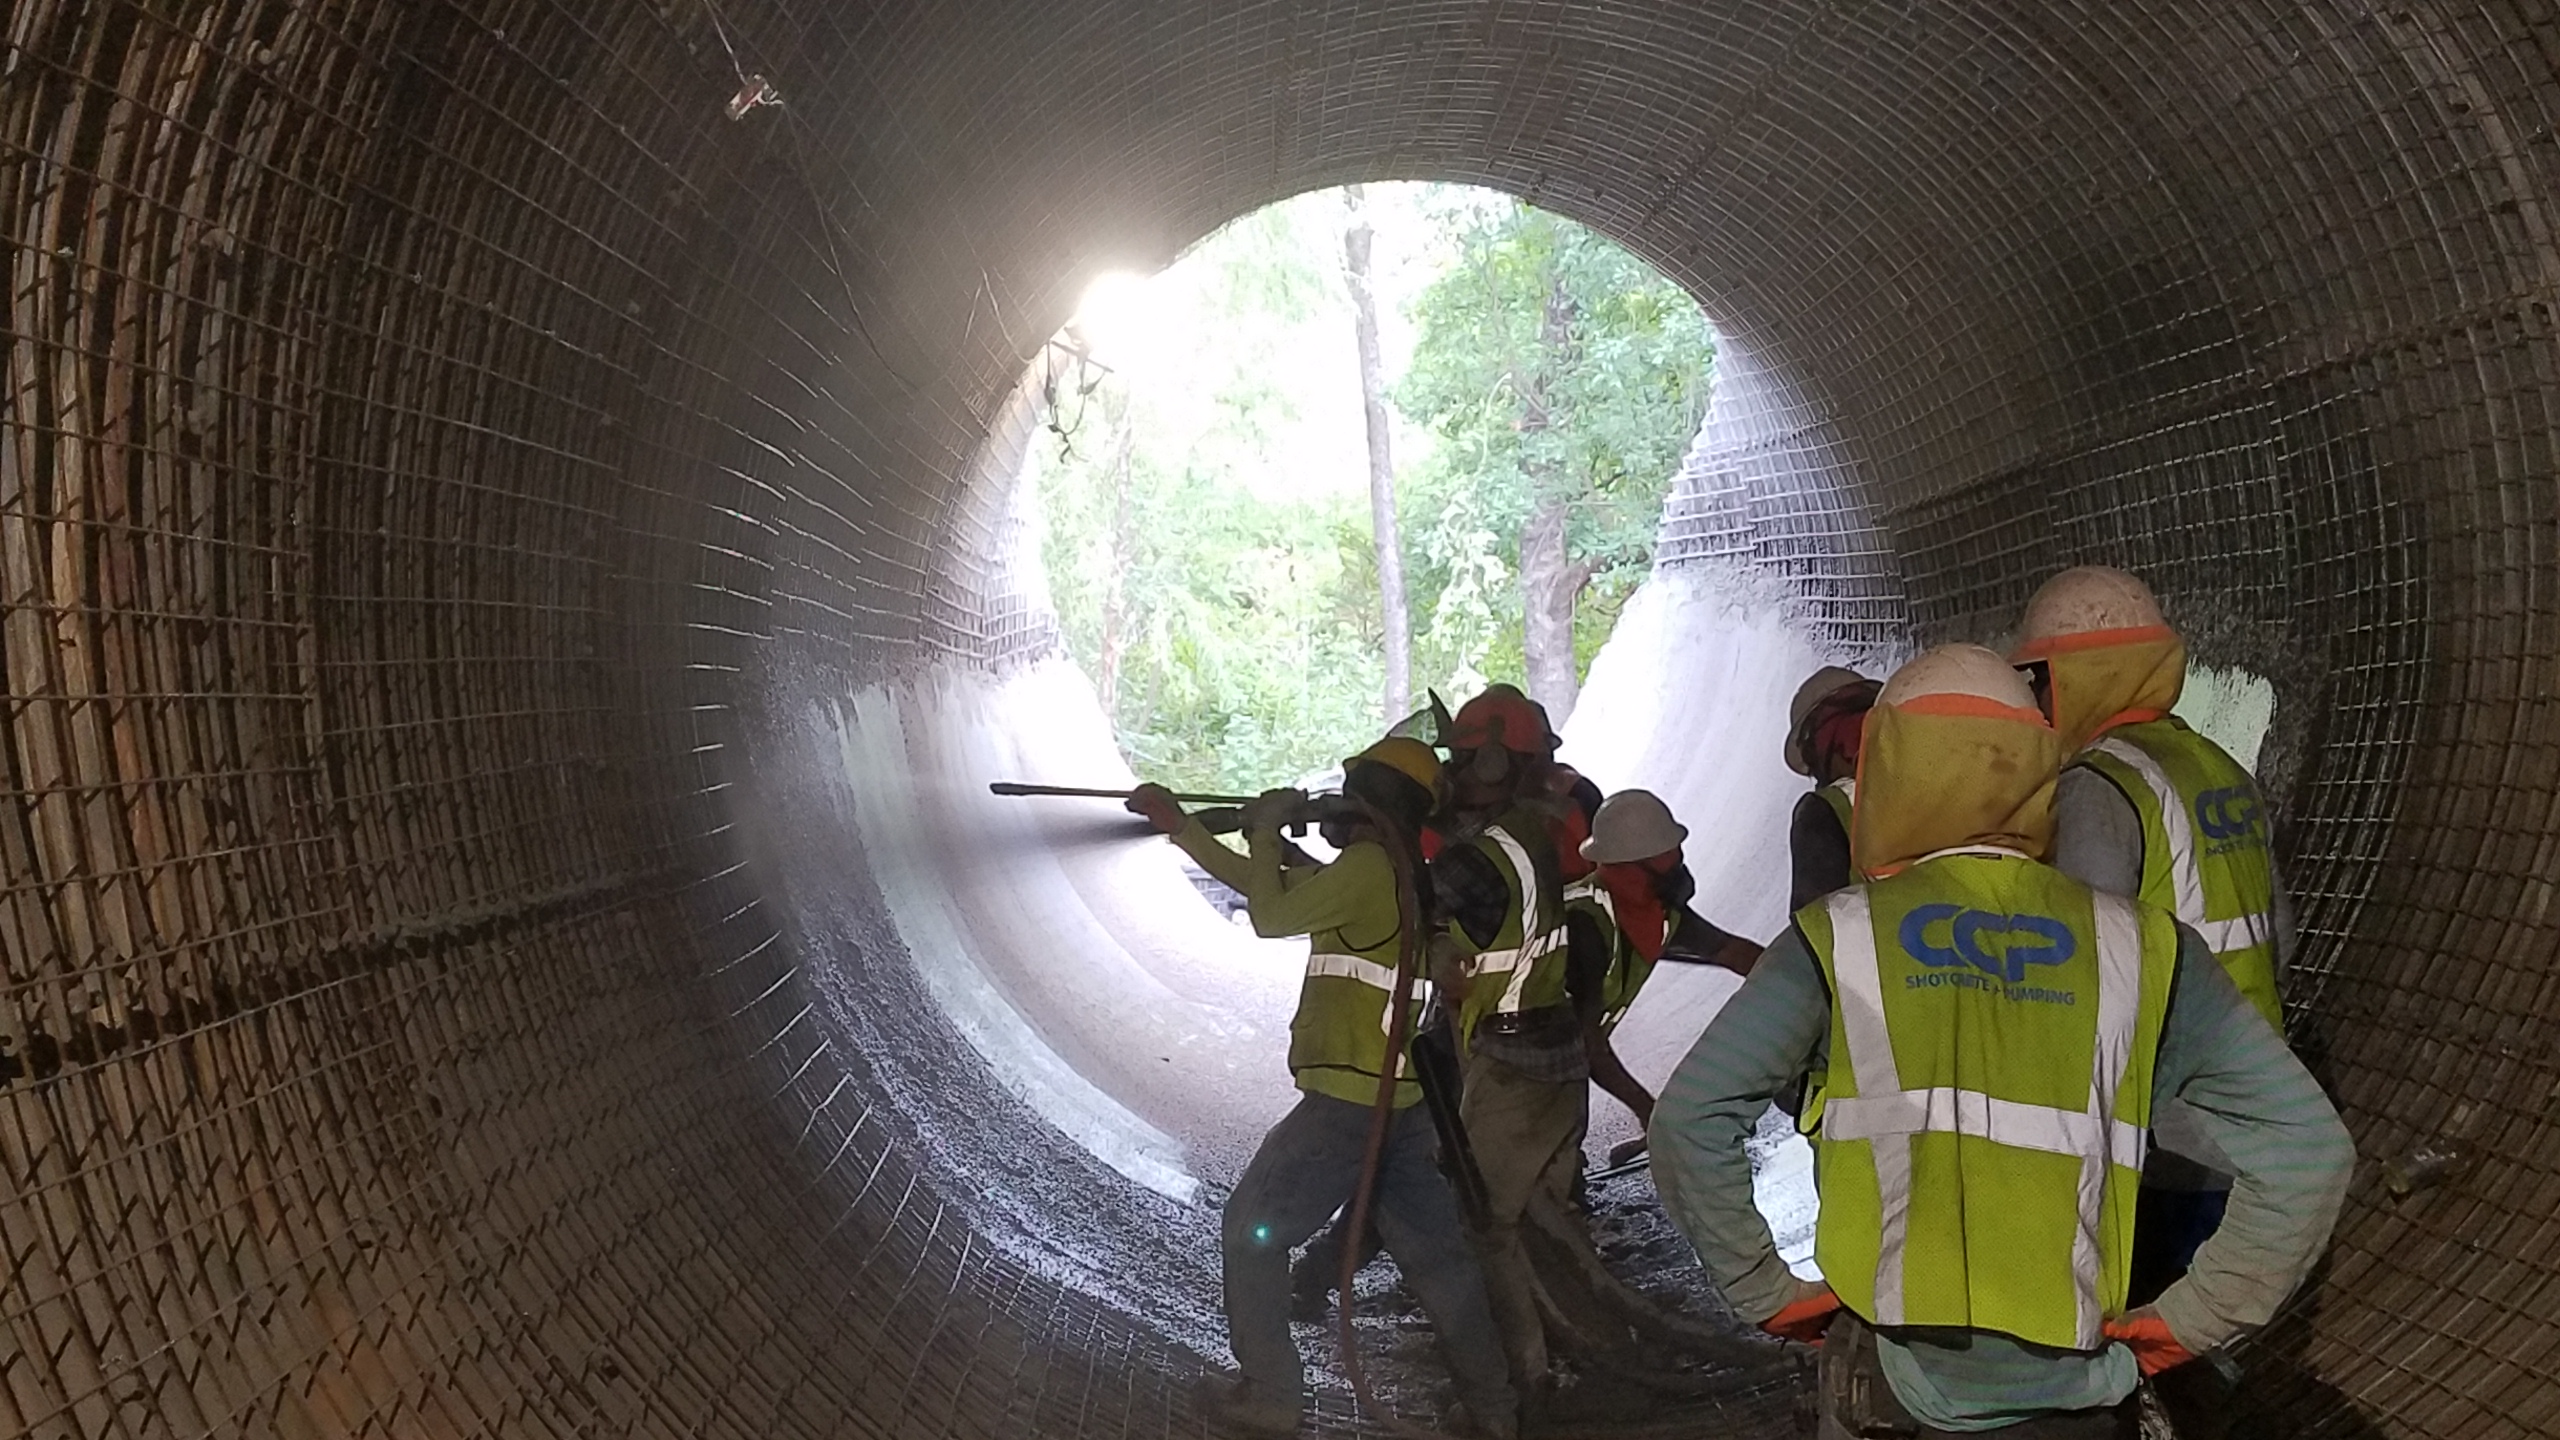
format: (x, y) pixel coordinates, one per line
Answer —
(2149, 808)
(1994, 1039)
(1307, 1167)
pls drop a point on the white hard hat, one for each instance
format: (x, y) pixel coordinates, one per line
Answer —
(1632, 825)
(1821, 685)
(2089, 598)
(1959, 670)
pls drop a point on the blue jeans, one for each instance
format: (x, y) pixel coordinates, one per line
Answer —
(1304, 1172)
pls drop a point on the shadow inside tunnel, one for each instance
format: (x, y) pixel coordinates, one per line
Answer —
(2279, 1395)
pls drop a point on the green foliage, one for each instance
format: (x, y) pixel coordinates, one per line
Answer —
(1551, 364)
(1246, 622)
(1235, 576)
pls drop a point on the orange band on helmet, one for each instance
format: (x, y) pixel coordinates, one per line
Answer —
(1969, 707)
(2044, 646)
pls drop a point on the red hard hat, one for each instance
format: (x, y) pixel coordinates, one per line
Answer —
(1502, 716)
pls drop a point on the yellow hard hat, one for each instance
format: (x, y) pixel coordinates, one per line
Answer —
(2087, 599)
(1406, 756)
(1959, 670)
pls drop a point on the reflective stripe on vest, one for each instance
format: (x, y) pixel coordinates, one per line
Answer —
(2228, 939)
(1337, 1038)
(1354, 967)
(1539, 938)
(1888, 1117)
(1628, 968)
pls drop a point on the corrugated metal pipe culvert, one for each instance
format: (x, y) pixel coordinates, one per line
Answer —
(501, 599)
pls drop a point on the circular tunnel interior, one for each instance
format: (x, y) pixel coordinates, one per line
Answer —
(504, 618)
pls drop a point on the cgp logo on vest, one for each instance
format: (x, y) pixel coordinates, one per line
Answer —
(2228, 819)
(1967, 949)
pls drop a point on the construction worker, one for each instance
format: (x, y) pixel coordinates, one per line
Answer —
(2149, 808)
(1824, 721)
(1995, 1037)
(1525, 1098)
(1308, 1165)
(1630, 913)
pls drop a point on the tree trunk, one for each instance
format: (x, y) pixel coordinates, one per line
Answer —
(1550, 583)
(1550, 579)
(1382, 471)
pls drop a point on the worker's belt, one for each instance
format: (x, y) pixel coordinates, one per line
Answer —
(1544, 1022)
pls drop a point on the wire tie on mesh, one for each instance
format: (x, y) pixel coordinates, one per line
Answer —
(754, 91)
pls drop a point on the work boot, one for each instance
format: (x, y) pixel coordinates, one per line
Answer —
(1311, 1290)
(1244, 1408)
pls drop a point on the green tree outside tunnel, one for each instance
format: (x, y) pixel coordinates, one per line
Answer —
(1208, 545)
(1564, 379)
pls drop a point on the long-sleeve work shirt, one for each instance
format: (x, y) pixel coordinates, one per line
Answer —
(2216, 1054)
(1356, 893)
(2097, 841)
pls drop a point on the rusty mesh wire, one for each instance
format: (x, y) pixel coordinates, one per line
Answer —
(438, 439)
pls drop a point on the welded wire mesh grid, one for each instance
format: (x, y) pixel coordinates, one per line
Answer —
(439, 443)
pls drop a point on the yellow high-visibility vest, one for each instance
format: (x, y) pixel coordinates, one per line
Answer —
(1338, 1038)
(1983, 1120)
(2204, 845)
(1523, 969)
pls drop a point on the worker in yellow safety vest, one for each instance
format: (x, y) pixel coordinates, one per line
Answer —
(1353, 909)
(1994, 1037)
(1824, 723)
(2149, 808)
(1498, 884)
(1629, 914)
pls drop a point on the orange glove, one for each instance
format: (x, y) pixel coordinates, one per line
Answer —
(2147, 1335)
(1806, 1316)
(1156, 804)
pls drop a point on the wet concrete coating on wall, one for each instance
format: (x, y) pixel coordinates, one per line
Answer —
(506, 614)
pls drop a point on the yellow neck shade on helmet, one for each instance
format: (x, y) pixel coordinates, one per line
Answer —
(2105, 678)
(1943, 772)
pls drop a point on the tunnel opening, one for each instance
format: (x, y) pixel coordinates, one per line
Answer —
(463, 463)
(1149, 1039)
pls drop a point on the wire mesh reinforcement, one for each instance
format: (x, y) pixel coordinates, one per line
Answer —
(444, 451)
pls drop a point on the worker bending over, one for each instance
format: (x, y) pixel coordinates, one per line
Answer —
(1994, 1038)
(1824, 723)
(2149, 808)
(1629, 914)
(1525, 1100)
(1308, 1165)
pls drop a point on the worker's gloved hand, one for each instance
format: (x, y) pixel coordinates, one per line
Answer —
(1157, 805)
(2147, 1336)
(1805, 1317)
(1273, 808)
(1451, 963)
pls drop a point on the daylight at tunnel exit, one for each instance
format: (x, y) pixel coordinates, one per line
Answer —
(1481, 718)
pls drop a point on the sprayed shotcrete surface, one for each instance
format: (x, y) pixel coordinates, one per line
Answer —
(1072, 954)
